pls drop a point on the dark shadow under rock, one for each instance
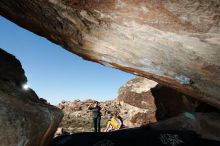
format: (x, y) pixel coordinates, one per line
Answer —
(205, 124)
(134, 137)
(171, 103)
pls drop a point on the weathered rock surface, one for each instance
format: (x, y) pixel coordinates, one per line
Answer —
(171, 103)
(204, 124)
(24, 119)
(136, 92)
(146, 102)
(137, 101)
(175, 43)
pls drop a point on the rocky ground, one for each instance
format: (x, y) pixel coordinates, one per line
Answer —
(77, 117)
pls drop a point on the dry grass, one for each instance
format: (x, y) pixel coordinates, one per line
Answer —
(79, 124)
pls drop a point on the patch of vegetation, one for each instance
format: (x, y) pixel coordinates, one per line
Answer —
(80, 124)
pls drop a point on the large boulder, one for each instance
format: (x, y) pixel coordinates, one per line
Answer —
(25, 120)
(175, 43)
(171, 103)
(204, 124)
(146, 102)
(136, 92)
(138, 103)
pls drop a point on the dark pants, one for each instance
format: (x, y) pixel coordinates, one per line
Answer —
(96, 123)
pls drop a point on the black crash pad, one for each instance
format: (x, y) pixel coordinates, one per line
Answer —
(142, 136)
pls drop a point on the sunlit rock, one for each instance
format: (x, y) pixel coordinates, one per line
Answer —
(176, 43)
(146, 102)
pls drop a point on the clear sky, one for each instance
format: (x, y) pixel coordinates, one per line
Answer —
(56, 74)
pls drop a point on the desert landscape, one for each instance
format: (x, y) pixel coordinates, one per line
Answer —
(172, 47)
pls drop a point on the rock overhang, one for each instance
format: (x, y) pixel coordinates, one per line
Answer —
(175, 43)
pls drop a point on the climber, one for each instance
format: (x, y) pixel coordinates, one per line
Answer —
(96, 115)
(114, 123)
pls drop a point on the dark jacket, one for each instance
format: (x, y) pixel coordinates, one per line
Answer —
(95, 111)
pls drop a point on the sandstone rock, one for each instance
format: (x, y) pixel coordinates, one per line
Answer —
(175, 43)
(171, 103)
(205, 124)
(24, 119)
(140, 119)
(137, 102)
(135, 92)
(134, 116)
(146, 102)
(59, 132)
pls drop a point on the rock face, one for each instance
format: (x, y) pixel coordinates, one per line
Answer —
(146, 102)
(135, 92)
(138, 102)
(25, 119)
(175, 43)
(204, 124)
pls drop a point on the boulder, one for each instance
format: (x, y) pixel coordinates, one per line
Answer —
(171, 103)
(136, 92)
(146, 102)
(175, 43)
(204, 124)
(25, 119)
(137, 102)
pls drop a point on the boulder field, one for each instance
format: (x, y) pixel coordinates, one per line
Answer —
(142, 102)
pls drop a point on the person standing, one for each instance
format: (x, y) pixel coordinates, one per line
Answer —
(96, 115)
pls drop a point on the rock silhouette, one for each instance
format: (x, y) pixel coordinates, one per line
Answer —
(25, 120)
(134, 137)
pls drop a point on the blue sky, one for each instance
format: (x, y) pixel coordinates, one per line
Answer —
(56, 74)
